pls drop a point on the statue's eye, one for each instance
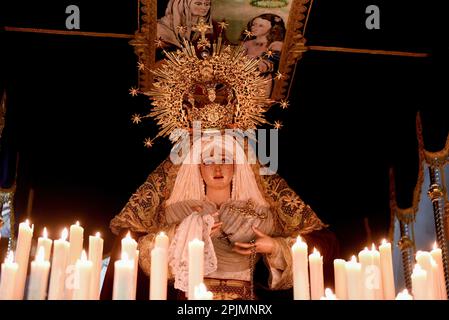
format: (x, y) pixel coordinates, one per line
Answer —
(208, 162)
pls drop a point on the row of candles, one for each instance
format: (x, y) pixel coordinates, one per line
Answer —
(369, 276)
(76, 275)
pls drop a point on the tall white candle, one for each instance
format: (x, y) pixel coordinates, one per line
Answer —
(59, 263)
(354, 279)
(96, 256)
(76, 239)
(368, 274)
(423, 258)
(159, 274)
(123, 288)
(316, 275)
(341, 290)
(435, 277)
(377, 270)
(196, 265)
(301, 288)
(201, 293)
(8, 278)
(83, 276)
(76, 242)
(162, 241)
(438, 257)
(22, 257)
(129, 246)
(404, 295)
(419, 283)
(386, 263)
(37, 289)
(45, 243)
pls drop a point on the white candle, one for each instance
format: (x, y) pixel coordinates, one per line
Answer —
(341, 290)
(316, 275)
(76, 242)
(60, 259)
(196, 265)
(8, 278)
(404, 295)
(37, 288)
(419, 283)
(83, 276)
(386, 263)
(45, 243)
(96, 256)
(435, 277)
(368, 274)
(76, 239)
(328, 295)
(438, 257)
(354, 279)
(129, 246)
(22, 257)
(201, 293)
(301, 288)
(159, 274)
(424, 260)
(162, 241)
(123, 288)
(377, 269)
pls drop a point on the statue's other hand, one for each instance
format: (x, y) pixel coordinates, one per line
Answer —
(263, 244)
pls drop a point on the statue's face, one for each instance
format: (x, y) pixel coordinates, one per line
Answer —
(200, 8)
(217, 171)
(260, 27)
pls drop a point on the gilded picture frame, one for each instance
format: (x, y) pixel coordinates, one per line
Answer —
(293, 13)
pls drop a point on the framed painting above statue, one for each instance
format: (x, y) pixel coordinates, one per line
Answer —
(269, 30)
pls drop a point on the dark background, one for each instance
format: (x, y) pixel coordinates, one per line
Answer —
(352, 116)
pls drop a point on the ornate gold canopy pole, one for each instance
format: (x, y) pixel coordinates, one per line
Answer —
(439, 197)
(406, 245)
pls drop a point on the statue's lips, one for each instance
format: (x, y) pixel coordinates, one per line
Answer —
(218, 177)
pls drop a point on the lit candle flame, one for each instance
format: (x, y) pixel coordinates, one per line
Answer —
(45, 233)
(128, 235)
(373, 247)
(77, 223)
(64, 234)
(162, 233)
(83, 256)
(384, 241)
(435, 245)
(354, 259)
(40, 255)
(27, 222)
(97, 235)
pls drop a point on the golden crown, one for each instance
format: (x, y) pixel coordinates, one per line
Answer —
(221, 87)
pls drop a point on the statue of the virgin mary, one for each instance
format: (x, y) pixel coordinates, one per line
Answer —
(214, 191)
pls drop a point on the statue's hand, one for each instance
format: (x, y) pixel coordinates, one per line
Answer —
(263, 244)
(216, 228)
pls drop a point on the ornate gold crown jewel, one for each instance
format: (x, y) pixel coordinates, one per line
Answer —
(221, 87)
